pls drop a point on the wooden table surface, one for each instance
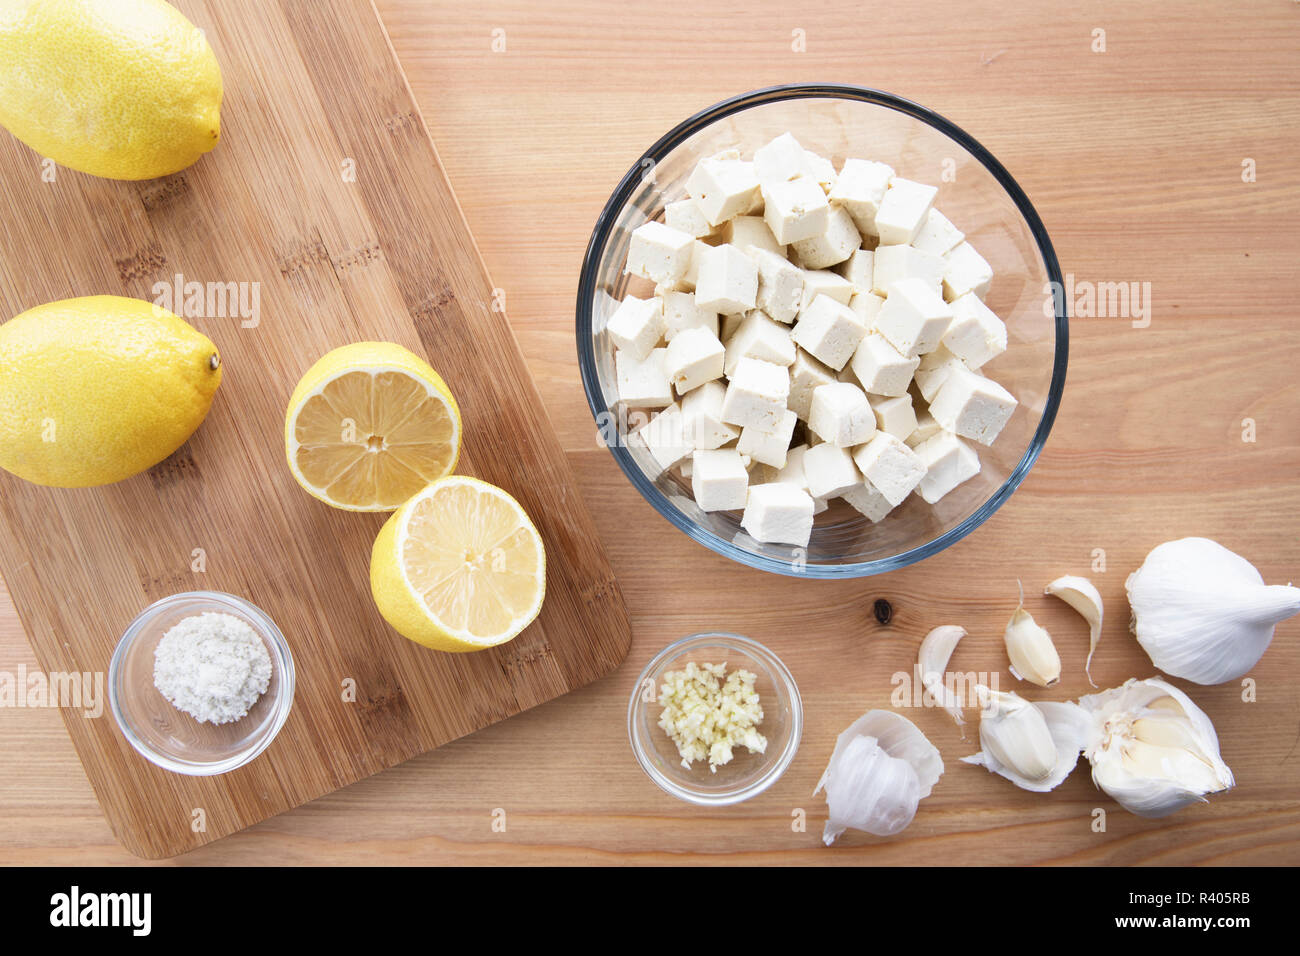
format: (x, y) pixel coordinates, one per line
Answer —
(1137, 157)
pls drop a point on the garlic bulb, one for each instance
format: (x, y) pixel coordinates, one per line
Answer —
(881, 768)
(1151, 749)
(932, 661)
(1034, 745)
(1033, 655)
(1203, 613)
(1081, 595)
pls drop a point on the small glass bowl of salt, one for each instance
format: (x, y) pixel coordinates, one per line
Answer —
(201, 682)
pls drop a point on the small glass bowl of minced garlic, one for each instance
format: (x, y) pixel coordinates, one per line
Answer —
(201, 682)
(715, 718)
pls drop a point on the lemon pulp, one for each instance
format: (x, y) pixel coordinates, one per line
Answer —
(369, 426)
(459, 567)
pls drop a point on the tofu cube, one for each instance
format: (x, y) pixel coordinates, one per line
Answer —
(795, 210)
(688, 282)
(889, 466)
(819, 169)
(937, 235)
(792, 473)
(880, 368)
(830, 471)
(762, 337)
(895, 416)
(902, 211)
(867, 305)
(643, 383)
(695, 356)
(972, 406)
(780, 285)
(867, 501)
(926, 428)
(948, 461)
(681, 312)
(780, 160)
(894, 263)
(727, 281)
(702, 411)
(967, 272)
(806, 376)
(723, 188)
(859, 268)
(730, 324)
(824, 282)
(664, 436)
(832, 245)
(636, 326)
(659, 253)
(934, 371)
(719, 480)
(860, 188)
(976, 335)
(748, 233)
(841, 415)
(830, 331)
(757, 393)
(913, 318)
(686, 216)
(778, 513)
(768, 446)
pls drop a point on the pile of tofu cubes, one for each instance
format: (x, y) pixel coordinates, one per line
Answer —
(813, 335)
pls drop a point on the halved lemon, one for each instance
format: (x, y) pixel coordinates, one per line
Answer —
(459, 567)
(369, 425)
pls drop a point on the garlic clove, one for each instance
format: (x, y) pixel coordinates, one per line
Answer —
(932, 661)
(1035, 745)
(1202, 612)
(882, 766)
(1152, 749)
(1151, 760)
(870, 791)
(1014, 733)
(1033, 655)
(1080, 594)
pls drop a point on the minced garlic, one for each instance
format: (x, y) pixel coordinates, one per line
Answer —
(706, 716)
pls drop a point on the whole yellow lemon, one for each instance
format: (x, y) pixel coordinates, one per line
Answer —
(97, 389)
(124, 89)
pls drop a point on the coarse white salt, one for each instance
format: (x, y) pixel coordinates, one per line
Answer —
(212, 666)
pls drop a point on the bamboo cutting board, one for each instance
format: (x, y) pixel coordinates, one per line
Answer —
(326, 191)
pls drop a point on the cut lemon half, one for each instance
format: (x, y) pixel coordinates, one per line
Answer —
(459, 567)
(369, 425)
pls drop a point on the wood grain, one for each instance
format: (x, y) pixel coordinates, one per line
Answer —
(1134, 160)
(312, 91)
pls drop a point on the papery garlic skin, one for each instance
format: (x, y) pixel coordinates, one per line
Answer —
(1035, 745)
(881, 768)
(870, 791)
(1033, 655)
(1203, 613)
(1082, 595)
(932, 660)
(1152, 750)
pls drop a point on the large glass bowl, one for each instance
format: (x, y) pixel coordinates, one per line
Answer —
(980, 198)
